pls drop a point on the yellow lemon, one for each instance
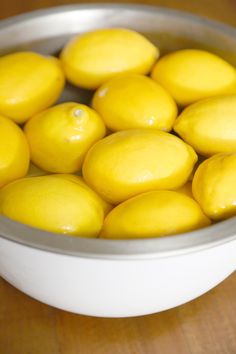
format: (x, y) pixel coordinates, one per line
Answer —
(94, 57)
(209, 126)
(214, 186)
(14, 152)
(53, 204)
(134, 101)
(191, 75)
(78, 179)
(60, 136)
(29, 83)
(152, 214)
(130, 162)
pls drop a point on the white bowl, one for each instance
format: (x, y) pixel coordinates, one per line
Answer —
(104, 277)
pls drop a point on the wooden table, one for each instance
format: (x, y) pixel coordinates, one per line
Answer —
(204, 326)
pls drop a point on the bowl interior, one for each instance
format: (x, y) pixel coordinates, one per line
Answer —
(46, 31)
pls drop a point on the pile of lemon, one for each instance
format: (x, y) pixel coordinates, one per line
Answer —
(130, 165)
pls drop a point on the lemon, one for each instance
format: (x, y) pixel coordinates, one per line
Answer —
(53, 204)
(29, 83)
(60, 136)
(78, 179)
(209, 126)
(152, 214)
(134, 101)
(214, 186)
(14, 152)
(191, 75)
(133, 161)
(94, 57)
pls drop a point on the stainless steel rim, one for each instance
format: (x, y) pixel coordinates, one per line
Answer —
(211, 236)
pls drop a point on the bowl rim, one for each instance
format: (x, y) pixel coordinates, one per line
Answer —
(28, 15)
(168, 246)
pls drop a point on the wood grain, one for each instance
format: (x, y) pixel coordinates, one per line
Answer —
(204, 326)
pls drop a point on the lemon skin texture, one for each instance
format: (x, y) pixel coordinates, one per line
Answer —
(14, 152)
(53, 204)
(60, 136)
(29, 83)
(153, 214)
(214, 186)
(78, 179)
(130, 162)
(209, 126)
(94, 57)
(191, 75)
(134, 101)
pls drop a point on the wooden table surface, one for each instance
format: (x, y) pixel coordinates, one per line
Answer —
(204, 326)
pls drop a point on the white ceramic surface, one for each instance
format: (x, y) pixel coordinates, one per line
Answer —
(115, 288)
